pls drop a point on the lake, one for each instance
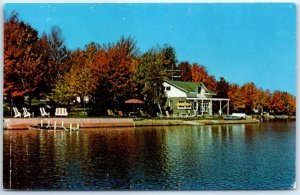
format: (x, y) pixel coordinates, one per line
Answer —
(211, 157)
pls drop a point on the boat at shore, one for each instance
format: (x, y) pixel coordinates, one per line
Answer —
(232, 118)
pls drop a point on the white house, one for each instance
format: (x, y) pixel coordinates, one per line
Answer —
(192, 98)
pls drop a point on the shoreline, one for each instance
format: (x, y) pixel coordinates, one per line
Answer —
(24, 123)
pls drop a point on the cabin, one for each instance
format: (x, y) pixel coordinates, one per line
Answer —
(189, 98)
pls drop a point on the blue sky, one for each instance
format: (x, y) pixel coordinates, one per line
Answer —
(252, 42)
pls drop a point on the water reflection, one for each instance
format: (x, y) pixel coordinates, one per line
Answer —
(259, 156)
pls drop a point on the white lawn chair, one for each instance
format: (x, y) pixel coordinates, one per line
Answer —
(44, 113)
(64, 112)
(26, 113)
(61, 112)
(57, 111)
(17, 113)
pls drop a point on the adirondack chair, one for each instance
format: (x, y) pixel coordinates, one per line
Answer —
(144, 115)
(26, 113)
(57, 111)
(61, 112)
(64, 112)
(44, 113)
(17, 113)
(111, 113)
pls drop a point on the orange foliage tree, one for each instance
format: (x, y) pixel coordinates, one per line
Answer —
(250, 95)
(200, 74)
(261, 101)
(283, 103)
(114, 67)
(237, 101)
(24, 59)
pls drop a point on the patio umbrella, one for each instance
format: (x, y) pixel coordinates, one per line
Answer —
(134, 102)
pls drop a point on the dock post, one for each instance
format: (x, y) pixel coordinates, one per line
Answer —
(70, 126)
(54, 125)
(77, 126)
(62, 124)
(42, 123)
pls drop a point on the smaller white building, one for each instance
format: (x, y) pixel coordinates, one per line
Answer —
(192, 98)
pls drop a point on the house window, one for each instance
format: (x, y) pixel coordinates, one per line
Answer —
(199, 90)
(205, 106)
(184, 105)
(168, 88)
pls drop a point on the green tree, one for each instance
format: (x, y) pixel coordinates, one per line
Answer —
(61, 92)
(58, 55)
(170, 61)
(151, 75)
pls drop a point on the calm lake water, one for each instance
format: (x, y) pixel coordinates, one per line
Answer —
(252, 156)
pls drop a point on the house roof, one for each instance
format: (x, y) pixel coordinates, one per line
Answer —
(188, 87)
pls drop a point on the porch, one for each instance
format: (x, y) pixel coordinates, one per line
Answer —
(204, 106)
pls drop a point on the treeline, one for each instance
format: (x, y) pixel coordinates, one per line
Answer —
(108, 74)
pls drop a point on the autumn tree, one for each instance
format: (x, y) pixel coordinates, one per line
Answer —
(122, 65)
(261, 100)
(291, 104)
(24, 65)
(249, 91)
(282, 103)
(235, 94)
(222, 88)
(79, 81)
(114, 67)
(185, 71)
(200, 74)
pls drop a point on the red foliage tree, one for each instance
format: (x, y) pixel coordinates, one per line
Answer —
(24, 59)
(185, 71)
(283, 103)
(200, 74)
(115, 67)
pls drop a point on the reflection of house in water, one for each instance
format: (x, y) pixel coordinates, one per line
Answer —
(201, 138)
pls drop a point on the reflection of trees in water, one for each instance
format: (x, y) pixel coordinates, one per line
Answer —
(27, 160)
(110, 157)
(152, 159)
(250, 133)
